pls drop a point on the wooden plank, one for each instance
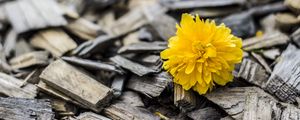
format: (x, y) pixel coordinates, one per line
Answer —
(284, 80)
(56, 41)
(132, 66)
(152, 86)
(66, 79)
(10, 86)
(84, 29)
(267, 40)
(185, 100)
(25, 109)
(29, 59)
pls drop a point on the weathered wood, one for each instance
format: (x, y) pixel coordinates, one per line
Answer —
(91, 116)
(122, 111)
(22, 47)
(34, 14)
(93, 65)
(253, 73)
(207, 113)
(268, 23)
(286, 21)
(25, 109)
(190, 4)
(262, 61)
(141, 47)
(294, 5)
(98, 45)
(117, 85)
(251, 103)
(151, 86)
(131, 38)
(10, 42)
(267, 40)
(67, 78)
(296, 37)
(84, 29)
(185, 100)
(132, 66)
(284, 80)
(10, 86)
(56, 41)
(267, 9)
(132, 98)
(63, 108)
(215, 11)
(164, 27)
(29, 59)
(271, 53)
(4, 67)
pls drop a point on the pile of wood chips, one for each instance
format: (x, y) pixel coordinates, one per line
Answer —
(99, 60)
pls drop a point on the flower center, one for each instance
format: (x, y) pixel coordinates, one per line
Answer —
(204, 51)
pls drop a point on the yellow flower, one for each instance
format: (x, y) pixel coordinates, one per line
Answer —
(201, 54)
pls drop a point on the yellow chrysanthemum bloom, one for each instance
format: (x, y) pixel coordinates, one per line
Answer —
(201, 54)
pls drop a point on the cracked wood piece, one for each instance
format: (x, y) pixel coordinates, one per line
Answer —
(122, 111)
(141, 47)
(253, 73)
(56, 41)
(296, 37)
(117, 85)
(34, 14)
(262, 61)
(164, 27)
(207, 113)
(185, 100)
(29, 59)
(190, 4)
(84, 29)
(284, 81)
(152, 86)
(10, 86)
(91, 116)
(66, 79)
(25, 109)
(132, 66)
(93, 65)
(267, 40)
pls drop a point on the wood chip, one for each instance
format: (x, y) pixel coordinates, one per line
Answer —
(164, 27)
(267, 40)
(25, 109)
(117, 85)
(271, 54)
(10, 86)
(253, 73)
(182, 4)
(286, 21)
(66, 79)
(84, 29)
(34, 14)
(207, 113)
(132, 98)
(10, 42)
(185, 100)
(284, 80)
(91, 116)
(262, 61)
(294, 5)
(141, 47)
(22, 47)
(296, 37)
(151, 86)
(55, 41)
(132, 66)
(29, 59)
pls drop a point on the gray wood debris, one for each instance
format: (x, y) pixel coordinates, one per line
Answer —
(34, 14)
(185, 100)
(29, 59)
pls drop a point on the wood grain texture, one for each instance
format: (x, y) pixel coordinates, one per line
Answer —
(10, 86)
(185, 100)
(29, 59)
(25, 109)
(67, 78)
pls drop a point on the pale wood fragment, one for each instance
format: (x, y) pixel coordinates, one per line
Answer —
(66, 79)
(91, 116)
(55, 41)
(185, 100)
(29, 59)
